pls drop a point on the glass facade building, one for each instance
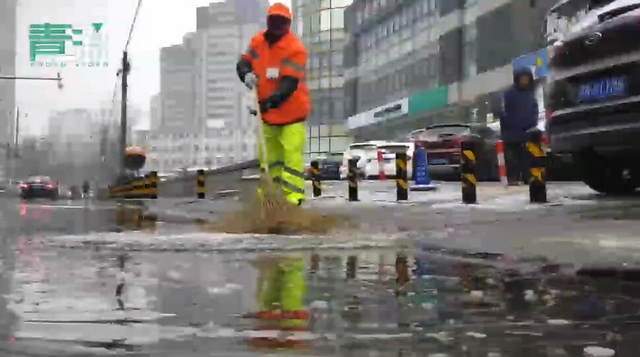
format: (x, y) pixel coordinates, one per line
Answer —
(413, 63)
(321, 26)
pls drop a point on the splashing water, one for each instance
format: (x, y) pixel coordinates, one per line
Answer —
(270, 213)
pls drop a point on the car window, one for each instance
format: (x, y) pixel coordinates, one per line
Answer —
(363, 147)
(394, 148)
(438, 133)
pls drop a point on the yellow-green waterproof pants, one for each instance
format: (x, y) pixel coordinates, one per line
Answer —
(285, 158)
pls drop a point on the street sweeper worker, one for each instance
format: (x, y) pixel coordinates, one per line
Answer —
(274, 63)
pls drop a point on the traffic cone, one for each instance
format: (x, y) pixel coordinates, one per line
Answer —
(421, 174)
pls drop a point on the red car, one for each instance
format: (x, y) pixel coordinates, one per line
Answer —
(443, 145)
(39, 187)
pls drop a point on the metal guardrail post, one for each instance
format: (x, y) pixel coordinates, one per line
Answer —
(402, 183)
(468, 172)
(201, 182)
(537, 168)
(153, 175)
(315, 178)
(353, 180)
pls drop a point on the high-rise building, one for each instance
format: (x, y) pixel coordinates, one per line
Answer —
(321, 25)
(224, 31)
(205, 120)
(155, 112)
(7, 87)
(178, 85)
(413, 63)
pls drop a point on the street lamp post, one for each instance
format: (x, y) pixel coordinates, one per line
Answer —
(57, 78)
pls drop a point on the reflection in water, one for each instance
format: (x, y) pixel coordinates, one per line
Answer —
(281, 292)
(402, 274)
(352, 267)
(121, 280)
(325, 303)
(131, 217)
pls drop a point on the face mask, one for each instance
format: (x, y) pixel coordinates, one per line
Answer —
(278, 25)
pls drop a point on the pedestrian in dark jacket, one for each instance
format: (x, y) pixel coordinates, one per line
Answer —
(519, 115)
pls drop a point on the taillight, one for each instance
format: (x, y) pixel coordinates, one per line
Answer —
(555, 50)
(545, 139)
(23, 186)
(50, 186)
(548, 114)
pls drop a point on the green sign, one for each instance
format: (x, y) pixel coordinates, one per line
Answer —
(429, 100)
(56, 45)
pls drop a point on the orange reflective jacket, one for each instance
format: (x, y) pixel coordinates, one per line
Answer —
(287, 57)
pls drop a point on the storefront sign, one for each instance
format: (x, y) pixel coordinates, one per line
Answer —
(380, 114)
(429, 100)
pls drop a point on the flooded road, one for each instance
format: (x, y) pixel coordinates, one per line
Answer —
(402, 298)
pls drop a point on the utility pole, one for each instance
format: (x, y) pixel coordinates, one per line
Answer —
(17, 138)
(123, 111)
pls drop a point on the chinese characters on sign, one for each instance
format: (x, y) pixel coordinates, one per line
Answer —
(62, 45)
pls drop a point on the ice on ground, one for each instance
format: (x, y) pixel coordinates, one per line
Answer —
(595, 351)
(224, 290)
(213, 242)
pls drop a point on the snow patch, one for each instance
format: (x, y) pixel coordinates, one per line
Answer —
(214, 242)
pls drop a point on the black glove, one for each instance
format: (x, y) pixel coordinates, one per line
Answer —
(287, 86)
(243, 68)
(268, 104)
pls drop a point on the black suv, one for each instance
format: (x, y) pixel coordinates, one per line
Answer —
(594, 99)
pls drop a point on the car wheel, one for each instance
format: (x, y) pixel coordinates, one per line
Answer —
(605, 176)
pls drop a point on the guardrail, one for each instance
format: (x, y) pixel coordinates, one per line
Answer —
(199, 184)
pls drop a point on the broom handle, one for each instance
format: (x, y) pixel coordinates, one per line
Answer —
(263, 143)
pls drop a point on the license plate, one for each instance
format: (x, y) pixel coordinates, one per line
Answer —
(602, 89)
(439, 161)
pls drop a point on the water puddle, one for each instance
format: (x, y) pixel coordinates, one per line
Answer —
(393, 301)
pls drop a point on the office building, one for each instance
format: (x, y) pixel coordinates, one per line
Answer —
(320, 24)
(410, 64)
(205, 121)
(178, 84)
(155, 112)
(7, 87)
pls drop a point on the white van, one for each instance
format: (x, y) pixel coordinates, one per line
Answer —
(389, 151)
(367, 154)
(364, 152)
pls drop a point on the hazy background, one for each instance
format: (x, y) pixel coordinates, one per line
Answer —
(160, 23)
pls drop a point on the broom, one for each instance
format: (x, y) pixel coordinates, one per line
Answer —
(272, 201)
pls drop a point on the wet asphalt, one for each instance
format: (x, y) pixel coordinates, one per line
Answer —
(406, 298)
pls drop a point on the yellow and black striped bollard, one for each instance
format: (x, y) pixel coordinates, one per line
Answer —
(402, 183)
(537, 168)
(201, 189)
(153, 176)
(315, 178)
(352, 176)
(468, 173)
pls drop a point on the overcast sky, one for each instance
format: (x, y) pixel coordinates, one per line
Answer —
(161, 23)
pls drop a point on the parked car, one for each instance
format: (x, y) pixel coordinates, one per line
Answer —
(443, 145)
(329, 167)
(594, 97)
(39, 187)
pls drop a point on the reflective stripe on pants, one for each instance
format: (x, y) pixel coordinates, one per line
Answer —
(285, 157)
